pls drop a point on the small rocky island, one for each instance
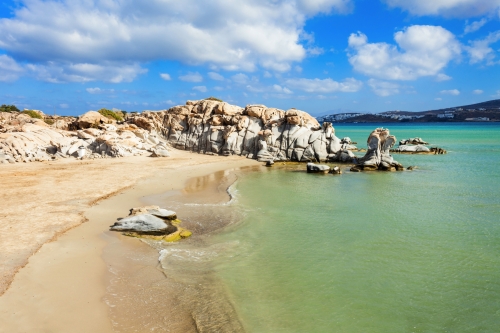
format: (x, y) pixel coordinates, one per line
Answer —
(417, 146)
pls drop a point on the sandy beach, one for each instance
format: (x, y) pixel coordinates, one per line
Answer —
(53, 276)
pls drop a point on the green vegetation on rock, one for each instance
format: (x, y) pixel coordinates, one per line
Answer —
(32, 114)
(211, 98)
(8, 108)
(118, 116)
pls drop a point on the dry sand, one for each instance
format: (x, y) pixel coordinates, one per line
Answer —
(61, 287)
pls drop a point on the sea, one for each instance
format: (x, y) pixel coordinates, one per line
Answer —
(369, 252)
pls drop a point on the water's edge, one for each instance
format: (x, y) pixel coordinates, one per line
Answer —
(157, 286)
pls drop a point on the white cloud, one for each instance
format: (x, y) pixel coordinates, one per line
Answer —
(98, 90)
(480, 50)
(282, 90)
(455, 8)
(324, 85)
(438, 99)
(240, 78)
(475, 26)
(477, 92)
(191, 77)
(64, 106)
(233, 35)
(200, 88)
(255, 89)
(442, 77)
(383, 88)
(315, 51)
(85, 72)
(453, 92)
(9, 69)
(267, 74)
(215, 76)
(422, 50)
(165, 76)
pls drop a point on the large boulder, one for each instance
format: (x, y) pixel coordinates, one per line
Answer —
(92, 119)
(143, 224)
(317, 168)
(152, 222)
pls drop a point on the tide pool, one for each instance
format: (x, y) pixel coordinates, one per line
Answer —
(412, 251)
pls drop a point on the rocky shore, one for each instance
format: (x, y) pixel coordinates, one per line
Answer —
(206, 126)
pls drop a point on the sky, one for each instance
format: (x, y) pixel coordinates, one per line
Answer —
(320, 56)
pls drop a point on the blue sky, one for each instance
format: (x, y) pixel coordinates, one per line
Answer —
(71, 56)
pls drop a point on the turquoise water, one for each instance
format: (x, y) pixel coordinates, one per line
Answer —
(412, 251)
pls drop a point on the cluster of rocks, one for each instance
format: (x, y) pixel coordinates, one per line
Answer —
(26, 139)
(417, 146)
(256, 131)
(152, 222)
(205, 126)
(412, 141)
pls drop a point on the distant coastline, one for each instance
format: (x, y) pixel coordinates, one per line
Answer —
(481, 112)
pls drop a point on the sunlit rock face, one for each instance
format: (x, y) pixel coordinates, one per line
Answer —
(206, 127)
(256, 131)
(378, 155)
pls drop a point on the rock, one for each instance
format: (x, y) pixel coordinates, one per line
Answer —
(411, 167)
(378, 155)
(438, 151)
(269, 163)
(152, 222)
(160, 153)
(317, 168)
(91, 118)
(335, 170)
(144, 224)
(413, 141)
(411, 149)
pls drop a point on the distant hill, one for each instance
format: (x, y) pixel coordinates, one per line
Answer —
(485, 111)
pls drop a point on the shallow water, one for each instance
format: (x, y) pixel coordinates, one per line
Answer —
(412, 251)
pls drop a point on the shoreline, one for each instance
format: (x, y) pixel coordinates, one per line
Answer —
(154, 277)
(62, 285)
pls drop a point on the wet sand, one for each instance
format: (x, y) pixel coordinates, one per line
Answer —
(62, 288)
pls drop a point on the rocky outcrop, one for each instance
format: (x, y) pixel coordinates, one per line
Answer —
(413, 141)
(256, 131)
(378, 155)
(416, 146)
(151, 222)
(411, 149)
(31, 141)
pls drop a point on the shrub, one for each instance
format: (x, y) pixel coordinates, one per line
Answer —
(32, 114)
(211, 98)
(118, 116)
(8, 108)
(49, 121)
